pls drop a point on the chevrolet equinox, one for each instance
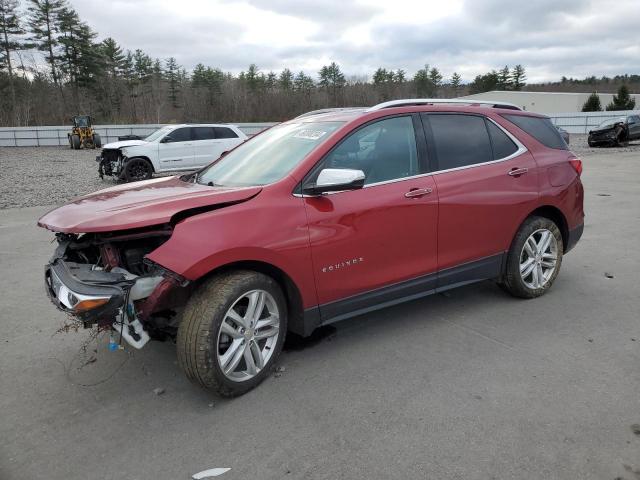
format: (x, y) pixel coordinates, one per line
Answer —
(330, 215)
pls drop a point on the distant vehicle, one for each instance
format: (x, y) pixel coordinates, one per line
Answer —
(564, 134)
(82, 134)
(321, 218)
(172, 148)
(615, 132)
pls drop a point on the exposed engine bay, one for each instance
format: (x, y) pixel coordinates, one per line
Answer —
(104, 280)
(110, 162)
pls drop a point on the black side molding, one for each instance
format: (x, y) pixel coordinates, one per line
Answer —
(476, 271)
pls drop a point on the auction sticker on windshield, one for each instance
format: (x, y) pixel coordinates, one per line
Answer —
(310, 134)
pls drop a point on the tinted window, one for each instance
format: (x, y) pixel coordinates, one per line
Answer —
(460, 140)
(502, 145)
(223, 132)
(383, 150)
(180, 135)
(539, 128)
(203, 133)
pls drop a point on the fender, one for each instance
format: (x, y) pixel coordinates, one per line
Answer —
(240, 233)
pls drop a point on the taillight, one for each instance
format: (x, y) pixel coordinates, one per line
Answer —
(576, 163)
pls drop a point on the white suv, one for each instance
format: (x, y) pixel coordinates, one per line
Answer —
(171, 148)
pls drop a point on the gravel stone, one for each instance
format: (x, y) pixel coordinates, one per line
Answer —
(35, 176)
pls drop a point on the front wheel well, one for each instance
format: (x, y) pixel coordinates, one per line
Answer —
(291, 292)
(142, 158)
(556, 216)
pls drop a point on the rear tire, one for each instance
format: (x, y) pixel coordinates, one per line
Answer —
(224, 344)
(534, 259)
(138, 169)
(75, 142)
(97, 142)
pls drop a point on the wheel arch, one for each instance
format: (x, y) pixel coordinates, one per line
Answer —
(143, 157)
(295, 310)
(556, 216)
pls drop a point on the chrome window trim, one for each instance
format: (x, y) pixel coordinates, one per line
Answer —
(521, 149)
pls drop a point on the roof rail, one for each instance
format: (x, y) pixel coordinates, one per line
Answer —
(329, 110)
(438, 101)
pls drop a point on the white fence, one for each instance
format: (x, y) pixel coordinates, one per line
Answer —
(582, 122)
(573, 122)
(57, 135)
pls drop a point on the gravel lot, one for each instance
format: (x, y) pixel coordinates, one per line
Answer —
(53, 175)
(471, 385)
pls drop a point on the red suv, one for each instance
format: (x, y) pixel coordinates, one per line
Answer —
(330, 215)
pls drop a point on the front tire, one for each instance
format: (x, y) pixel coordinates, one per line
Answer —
(137, 169)
(97, 141)
(534, 259)
(232, 332)
(75, 142)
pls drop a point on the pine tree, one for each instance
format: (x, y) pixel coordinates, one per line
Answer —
(381, 76)
(11, 31)
(270, 81)
(622, 101)
(303, 83)
(456, 81)
(42, 27)
(332, 80)
(81, 60)
(592, 104)
(504, 79)
(484, 83)
(285, 80)
(172, 74)
(400, 76)
(113, 57)
(423, 83)
(518, 76)
(435, 77)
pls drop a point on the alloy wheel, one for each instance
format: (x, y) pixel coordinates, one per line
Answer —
(539, 258)
(248, 335)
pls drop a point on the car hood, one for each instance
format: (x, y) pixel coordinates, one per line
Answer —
(140, 204)
(608, 128)
(124, 143)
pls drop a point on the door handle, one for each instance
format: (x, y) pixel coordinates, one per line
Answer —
(418, 192)
(516, 172)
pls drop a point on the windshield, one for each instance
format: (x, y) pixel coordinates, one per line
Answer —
(269, 156)
(158, 133)
(611, 121)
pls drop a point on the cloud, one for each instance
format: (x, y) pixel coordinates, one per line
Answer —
(551, 38)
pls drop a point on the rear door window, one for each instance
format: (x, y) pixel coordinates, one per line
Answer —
(502, 145)
(539, 128)
(203, 133)
(224, 132)
(459, 140)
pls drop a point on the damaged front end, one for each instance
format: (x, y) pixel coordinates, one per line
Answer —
(103, 280)
(110, 162)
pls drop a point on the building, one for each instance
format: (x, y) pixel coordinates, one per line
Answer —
(547, 103)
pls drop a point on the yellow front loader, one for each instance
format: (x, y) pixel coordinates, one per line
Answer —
(83, 134)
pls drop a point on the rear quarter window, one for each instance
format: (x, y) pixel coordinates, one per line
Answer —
(224, 132)
(539, 128)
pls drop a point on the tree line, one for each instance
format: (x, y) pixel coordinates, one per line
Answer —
(53, 67)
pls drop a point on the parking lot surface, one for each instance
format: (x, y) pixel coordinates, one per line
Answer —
(472, 384)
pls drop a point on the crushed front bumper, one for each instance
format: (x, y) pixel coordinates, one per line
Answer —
(93, 296)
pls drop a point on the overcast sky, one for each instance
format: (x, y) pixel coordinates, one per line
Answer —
(551, 38)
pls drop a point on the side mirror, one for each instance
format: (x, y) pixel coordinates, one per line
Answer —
(335, 180)
(167, 139)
